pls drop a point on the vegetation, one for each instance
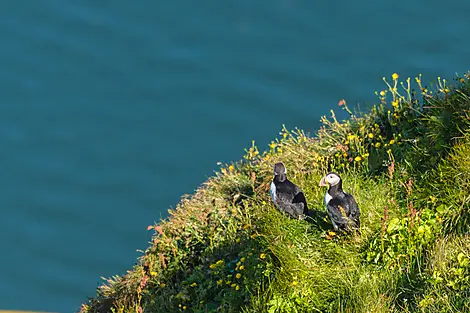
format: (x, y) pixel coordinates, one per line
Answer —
(227, 249)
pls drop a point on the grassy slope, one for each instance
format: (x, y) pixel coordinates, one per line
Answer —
(226, 249)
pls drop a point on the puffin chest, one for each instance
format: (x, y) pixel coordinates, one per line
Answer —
(272, 191)
(328, 197)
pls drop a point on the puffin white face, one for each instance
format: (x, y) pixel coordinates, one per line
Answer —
(330, 178)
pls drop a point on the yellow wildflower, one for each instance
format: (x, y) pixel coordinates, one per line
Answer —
(219, 282)
(371, 135)
(351, 137)
(395, 76)
(357, 159)
(345, 154)
(228, 282)
(262, 255)
(184, 307)
(395, 104)
(153, 273)
(242, 260)
(382, 93)
(392, 141)
(238, 276)
(193, 284)
(233, 285)
(219, 262)
(212, 266)
(294, 283)
(162, 285)
(231, 168)
(365, 155)
(241, 268)
(237, 288)
(377, 144)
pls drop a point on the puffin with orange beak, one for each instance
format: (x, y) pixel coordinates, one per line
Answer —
(341, 207)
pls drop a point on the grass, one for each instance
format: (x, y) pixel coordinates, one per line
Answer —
(227, 249)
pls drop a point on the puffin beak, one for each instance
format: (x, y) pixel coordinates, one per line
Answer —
(323, 182)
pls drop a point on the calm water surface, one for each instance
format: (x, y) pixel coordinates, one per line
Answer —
(110, 111)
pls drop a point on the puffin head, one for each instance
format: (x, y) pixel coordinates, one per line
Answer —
(330, 178)
(279, 169)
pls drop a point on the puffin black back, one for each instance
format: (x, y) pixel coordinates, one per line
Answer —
(287, 196)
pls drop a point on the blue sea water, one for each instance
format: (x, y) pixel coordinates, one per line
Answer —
(110, 111)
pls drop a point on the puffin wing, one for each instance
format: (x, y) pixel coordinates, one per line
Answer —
(290, 199)
(337, 211)
(353, 212)
(285, 204)
(300, 199)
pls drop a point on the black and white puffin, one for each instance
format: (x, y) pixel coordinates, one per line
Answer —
(341, 206)
(286, 196)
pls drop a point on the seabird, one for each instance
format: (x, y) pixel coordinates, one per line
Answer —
(341, 206)
(286, 196)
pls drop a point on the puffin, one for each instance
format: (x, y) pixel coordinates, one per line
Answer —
(287, 196)
(341, 207)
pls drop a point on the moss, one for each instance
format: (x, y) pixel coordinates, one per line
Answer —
(227, 249)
